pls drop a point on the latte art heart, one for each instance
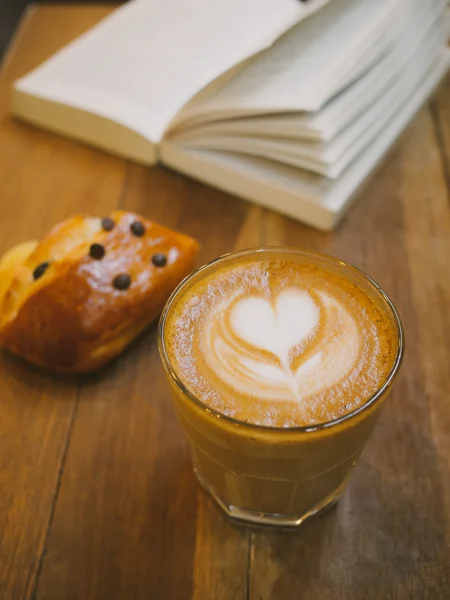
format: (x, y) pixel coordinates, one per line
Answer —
(273, 349)
(280, 344)
(278, 326)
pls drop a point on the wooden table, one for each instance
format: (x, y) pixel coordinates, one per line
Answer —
(97, 495)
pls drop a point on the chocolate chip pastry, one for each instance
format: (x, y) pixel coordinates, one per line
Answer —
(73, 301)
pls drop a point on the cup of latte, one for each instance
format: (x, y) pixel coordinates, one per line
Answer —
(279, 361)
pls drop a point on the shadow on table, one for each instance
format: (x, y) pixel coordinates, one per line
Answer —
(380, 541)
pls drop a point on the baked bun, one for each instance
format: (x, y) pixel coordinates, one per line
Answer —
(75, 300)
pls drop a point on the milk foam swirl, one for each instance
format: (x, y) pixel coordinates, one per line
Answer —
(296, 345)
(280, 343)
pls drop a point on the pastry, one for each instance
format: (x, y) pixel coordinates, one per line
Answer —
(73, 301)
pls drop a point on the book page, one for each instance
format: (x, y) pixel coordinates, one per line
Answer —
(331, 160)
(308, 64)
(141, 64)
(302, 195)
(342, 109)
(416, 51)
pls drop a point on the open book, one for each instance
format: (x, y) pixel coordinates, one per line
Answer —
(288, 104)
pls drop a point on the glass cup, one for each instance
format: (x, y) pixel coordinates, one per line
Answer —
(270, 475)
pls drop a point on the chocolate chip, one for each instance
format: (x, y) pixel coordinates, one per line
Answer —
(108, 224)
(97, 251)
(40, 270)
(137, 228)
(122, 281)
(159, 260)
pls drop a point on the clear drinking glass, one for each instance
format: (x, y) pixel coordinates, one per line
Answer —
(270, 475)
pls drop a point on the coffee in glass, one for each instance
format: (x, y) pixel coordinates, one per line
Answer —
(279, 361)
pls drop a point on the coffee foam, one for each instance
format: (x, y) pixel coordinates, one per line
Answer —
(280, 343)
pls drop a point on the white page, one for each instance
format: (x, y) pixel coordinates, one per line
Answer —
(141, 64)
(307, 64)
(331, 159)
(320, 125)
(345, 108)
(417, 20)
(308, 197)
(208, 108)
(287, 125)
(355, 175)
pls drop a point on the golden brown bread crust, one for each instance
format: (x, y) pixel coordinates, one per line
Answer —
(72, 317)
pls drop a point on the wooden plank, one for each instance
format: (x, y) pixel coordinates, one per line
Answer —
(388, 537)
(44, 179)
(441, 113)
(131, 521)
(427, 221)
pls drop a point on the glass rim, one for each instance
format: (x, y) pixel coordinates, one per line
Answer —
(300, 428)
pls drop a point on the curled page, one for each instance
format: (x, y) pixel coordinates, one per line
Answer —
(140, 65)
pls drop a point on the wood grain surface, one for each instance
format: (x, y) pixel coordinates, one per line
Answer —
(98, 499)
